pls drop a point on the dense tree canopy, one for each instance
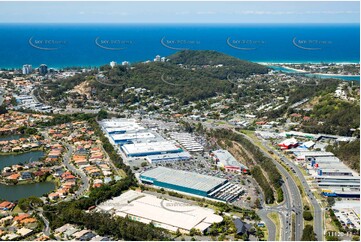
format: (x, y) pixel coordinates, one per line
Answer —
(308, 234)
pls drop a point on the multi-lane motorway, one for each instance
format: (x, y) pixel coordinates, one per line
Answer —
(292, 197)
(292, 204)
(318, 212)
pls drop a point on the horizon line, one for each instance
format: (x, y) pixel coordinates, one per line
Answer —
(161, 23)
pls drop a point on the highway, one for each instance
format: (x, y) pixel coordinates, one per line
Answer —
(292, 198)
(318, 212)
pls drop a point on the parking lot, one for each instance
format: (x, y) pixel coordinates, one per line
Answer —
(347, 217)
(204, 164)
(200, 163)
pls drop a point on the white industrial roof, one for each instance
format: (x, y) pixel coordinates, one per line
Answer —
(129, 136)
(139, 148)
(172, 214)
(113, 125)
(124, 129)
(169, 156)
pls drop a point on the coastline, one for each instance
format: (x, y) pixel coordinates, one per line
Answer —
(266, 63)
(321, 74)
(307, 62)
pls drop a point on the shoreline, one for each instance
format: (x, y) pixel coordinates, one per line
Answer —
(307, 62)
(92, 66)
(321, 74)
(24, 182)
(22, 152)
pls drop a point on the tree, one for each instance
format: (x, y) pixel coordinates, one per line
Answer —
(356, 238)
(308, 234)
(330, 201)
(102, 114)
(30, 203)
(3, 109)
(257, 203)
(307, 215)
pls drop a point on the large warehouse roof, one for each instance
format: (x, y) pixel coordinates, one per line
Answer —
(149, 148)
(170, 213)
(129, 136)
(184, 178)
(114, 125)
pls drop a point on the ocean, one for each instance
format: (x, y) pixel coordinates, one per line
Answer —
(64, 45)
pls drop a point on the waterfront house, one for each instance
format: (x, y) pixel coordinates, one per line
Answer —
(5, 149)
(17, 167)
(39, 173)
(53, 196)
(16, 149)
(13, 177)
(26, 176)
(6, 206)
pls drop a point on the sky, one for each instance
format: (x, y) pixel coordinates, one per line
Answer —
(180, 12)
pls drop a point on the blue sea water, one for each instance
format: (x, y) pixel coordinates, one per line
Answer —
(60, 45)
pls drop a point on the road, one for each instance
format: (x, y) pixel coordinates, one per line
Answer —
(292, 197)
(269, 224)
(292, 201)
(66, 158)
(46, 230)
(318, 212)
(84, 179)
